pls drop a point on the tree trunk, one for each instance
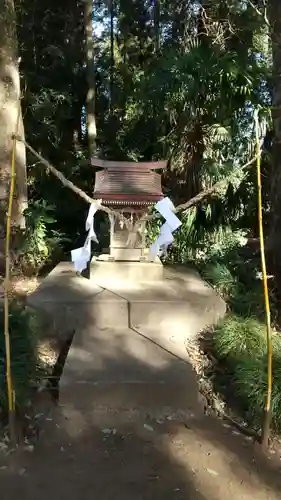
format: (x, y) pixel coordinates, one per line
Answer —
(112, 61)
(91, 93)
(275, 233)
(157, 11)
(9, 102)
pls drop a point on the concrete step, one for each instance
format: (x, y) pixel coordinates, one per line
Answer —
(119, 370)
(113, 404)
(112, 356)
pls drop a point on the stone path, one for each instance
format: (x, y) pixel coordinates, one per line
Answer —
(130, 423)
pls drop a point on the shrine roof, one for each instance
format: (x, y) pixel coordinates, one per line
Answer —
(128, 182)
(128, 165)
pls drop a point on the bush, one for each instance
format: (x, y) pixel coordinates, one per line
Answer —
(241, 344)
(248, 301)
(219, 275)
(40, 242)
(251, 383)
(238, 284)
(236, 337)
(23, 341)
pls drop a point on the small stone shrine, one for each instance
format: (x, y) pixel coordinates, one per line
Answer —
(130, 188)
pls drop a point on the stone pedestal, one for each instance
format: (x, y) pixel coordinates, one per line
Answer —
(126, 254)
(104, 271)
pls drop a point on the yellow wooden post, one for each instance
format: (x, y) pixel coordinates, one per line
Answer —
(267, 410)
(9, 378)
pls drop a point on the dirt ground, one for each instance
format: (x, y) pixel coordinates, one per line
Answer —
(129, 455)
(141, 458)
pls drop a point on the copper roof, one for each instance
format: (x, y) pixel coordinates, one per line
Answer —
(128, 165)
(128, 183)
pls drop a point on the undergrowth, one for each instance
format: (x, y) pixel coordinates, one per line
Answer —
(40, 243)
(23, 327)
(239, 340)
(240, 346)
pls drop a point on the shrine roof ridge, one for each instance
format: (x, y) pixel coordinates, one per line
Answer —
(128, 165)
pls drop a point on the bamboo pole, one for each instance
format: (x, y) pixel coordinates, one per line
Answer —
(9, 377)
(267, 417)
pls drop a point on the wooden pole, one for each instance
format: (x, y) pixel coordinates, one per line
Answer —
(267, 417)
(9, 377)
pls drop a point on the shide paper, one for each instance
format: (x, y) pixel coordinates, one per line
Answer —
(166, 236)
(90, 222)
(166, 208)
(81, 256)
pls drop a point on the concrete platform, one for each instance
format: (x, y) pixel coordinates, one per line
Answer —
(181, 304)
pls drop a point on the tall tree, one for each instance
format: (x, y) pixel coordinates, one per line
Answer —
(9, 106)
(111, 84)
(156, 15)
(275, 22)
(91, 92)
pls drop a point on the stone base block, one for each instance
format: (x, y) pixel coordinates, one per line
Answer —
(126, 254)
(106, 271)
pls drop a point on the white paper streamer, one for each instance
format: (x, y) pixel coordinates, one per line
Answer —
(81, 256)
(166, 236)
(90, 222)
(154, 250)
(166, 208)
